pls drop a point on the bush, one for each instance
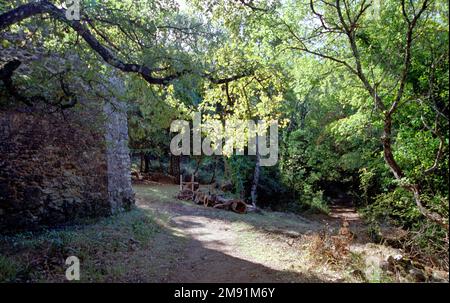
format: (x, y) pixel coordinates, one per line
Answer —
(313, 201)
(8, 269)
(426, 241)
(397, 207)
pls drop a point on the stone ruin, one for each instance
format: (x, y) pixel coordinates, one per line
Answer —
(56, 168)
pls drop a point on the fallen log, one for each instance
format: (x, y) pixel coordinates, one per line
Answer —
(204, 198)
(210, 201)
(235, 205)
(221, 199)
(239, 207)
(213, 200)
(186, 194)
(223, 203)
(199, 197)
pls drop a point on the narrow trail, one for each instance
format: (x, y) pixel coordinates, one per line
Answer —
(341, 211)
(344, 212)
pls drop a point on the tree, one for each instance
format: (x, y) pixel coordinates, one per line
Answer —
(118, 31)
(362, 48)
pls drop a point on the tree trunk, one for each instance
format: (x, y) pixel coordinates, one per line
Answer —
(213, 177)
(146, 163)
(141, 167)
(387, 149)
(432, 216)
(256, 175)
(398, 174)
(174, 168)
(170, 171)
(197, 162)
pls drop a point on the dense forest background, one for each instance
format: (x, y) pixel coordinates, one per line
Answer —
(359, 87)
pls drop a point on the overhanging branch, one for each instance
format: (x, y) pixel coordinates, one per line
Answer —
(46, 7)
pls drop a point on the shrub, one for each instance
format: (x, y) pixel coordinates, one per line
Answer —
(313, 201)
(8, 269)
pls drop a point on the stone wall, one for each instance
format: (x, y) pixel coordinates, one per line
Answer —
(120, 193)
(57, 168)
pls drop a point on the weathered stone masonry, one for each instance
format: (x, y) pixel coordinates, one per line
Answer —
(120, 193)
(55, 169)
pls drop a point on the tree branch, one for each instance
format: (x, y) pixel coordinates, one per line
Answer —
(350, 32)
(44, 6)
(249, 4)
(6, 74)
(440, 150)
(228, 79)
(432, 216)
(407, 59)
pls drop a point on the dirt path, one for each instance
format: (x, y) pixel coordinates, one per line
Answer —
(213, 249)
(344, 212)
(340, 212)
(213, 254)
(221, 246)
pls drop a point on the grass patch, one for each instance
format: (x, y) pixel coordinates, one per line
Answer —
(103, 249)
(8, 269)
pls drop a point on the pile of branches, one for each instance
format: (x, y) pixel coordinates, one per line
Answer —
(213, 200)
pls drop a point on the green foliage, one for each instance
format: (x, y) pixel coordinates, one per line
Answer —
(117, 236)
(241, 172)
(429, 241)
(313, 201)
(397, 205)
(8, 269)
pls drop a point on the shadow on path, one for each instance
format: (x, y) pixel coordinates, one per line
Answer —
(211, 251)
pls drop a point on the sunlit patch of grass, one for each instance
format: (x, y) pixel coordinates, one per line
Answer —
(276, 251)
(163, 193)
